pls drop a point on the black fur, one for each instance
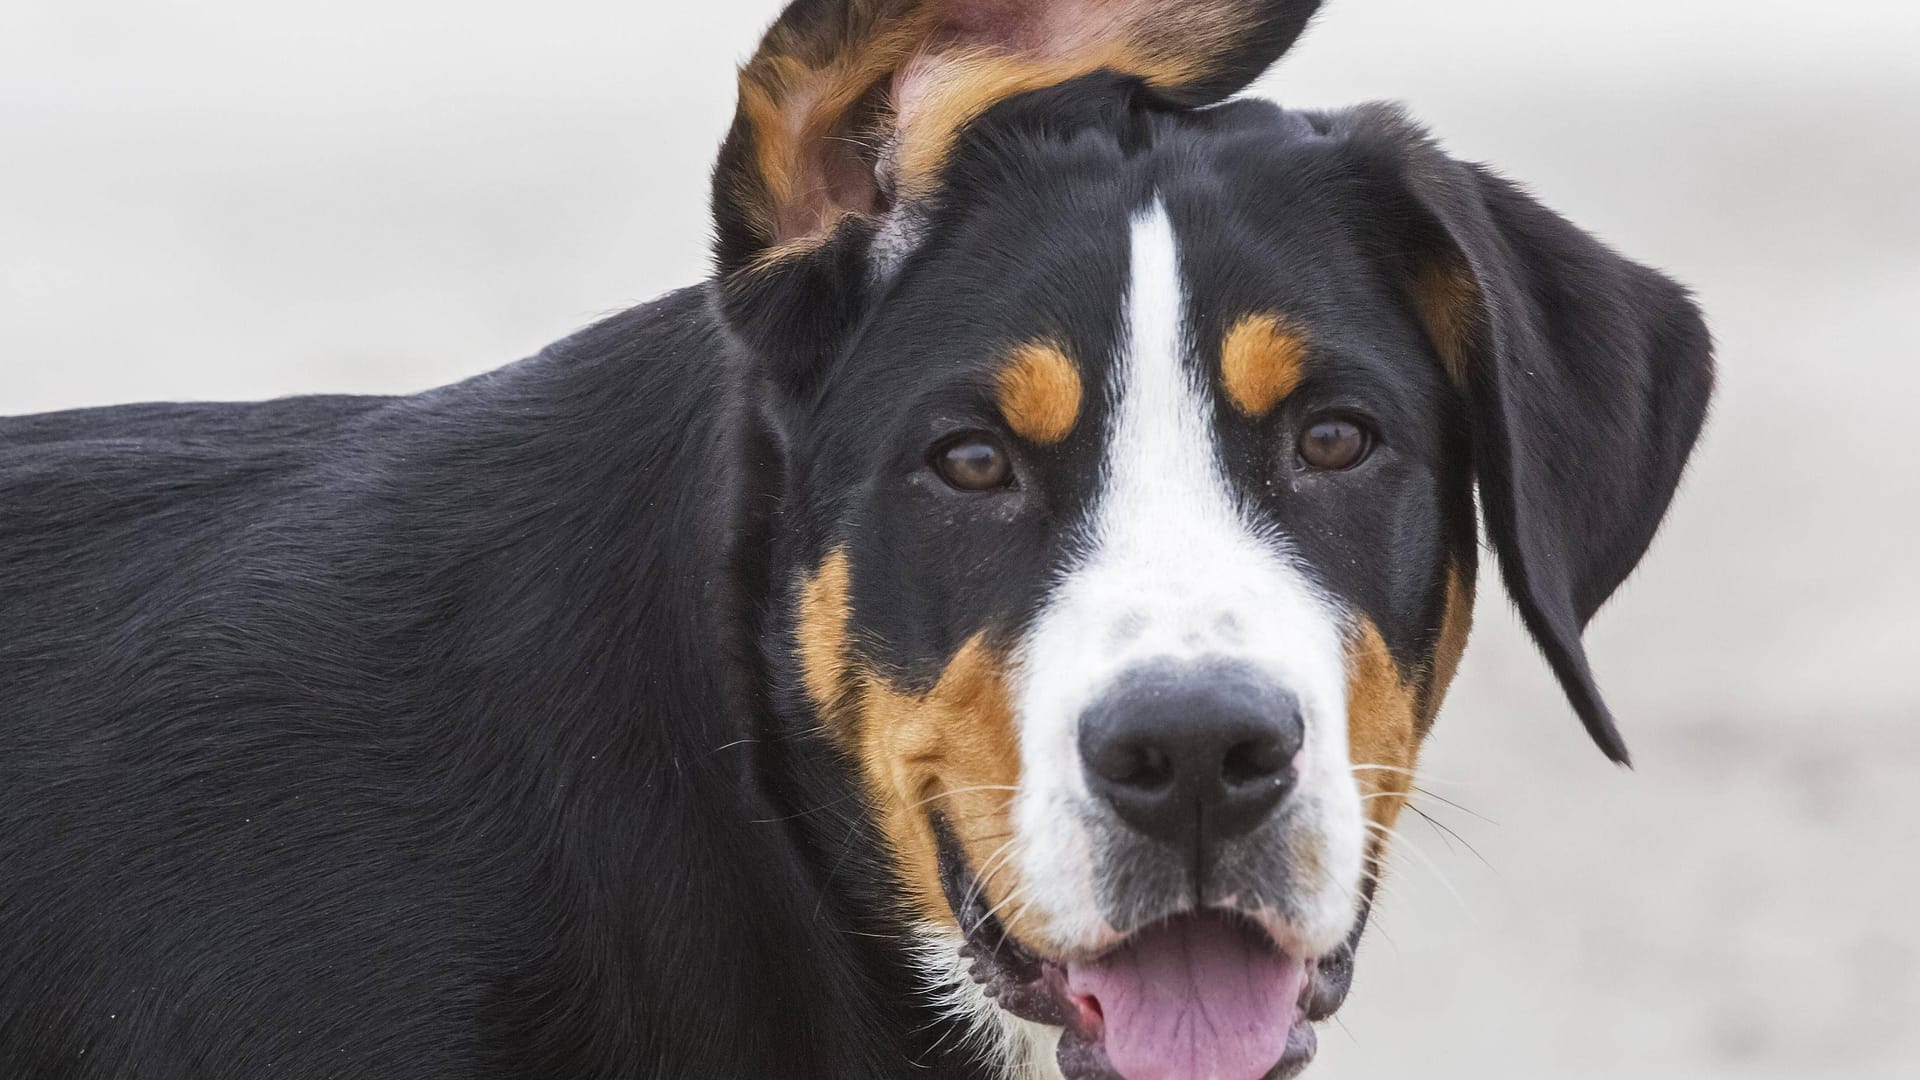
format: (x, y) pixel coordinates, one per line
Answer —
(355, 737)
(460, 735)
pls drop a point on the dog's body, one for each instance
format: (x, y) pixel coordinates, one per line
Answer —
(403, 737)
(689, 700)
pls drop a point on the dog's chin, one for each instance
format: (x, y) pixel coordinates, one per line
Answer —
(1205, 993)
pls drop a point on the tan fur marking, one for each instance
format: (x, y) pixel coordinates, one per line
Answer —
(952, 90)
(1380, 724)
(889, 84)
(820, 635)
(1039, 392)
(1456, 625)
(1387, 720)
(1448, 300)
(953, 748)
(1262, 360)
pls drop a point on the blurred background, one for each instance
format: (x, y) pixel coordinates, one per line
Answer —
(230, 199)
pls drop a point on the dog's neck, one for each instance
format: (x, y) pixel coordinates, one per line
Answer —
(737, 794)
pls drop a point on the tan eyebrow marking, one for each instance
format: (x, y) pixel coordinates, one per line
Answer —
(1261, 361)
(1039, 392)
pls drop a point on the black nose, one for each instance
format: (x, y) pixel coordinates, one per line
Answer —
(1192, 757)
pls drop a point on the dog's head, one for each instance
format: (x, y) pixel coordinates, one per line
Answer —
(1128, 448)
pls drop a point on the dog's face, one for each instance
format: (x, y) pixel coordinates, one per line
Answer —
(1129, 455)
(1151, 551)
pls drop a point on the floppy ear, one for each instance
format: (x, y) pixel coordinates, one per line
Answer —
(1587, 378)
(849, 108)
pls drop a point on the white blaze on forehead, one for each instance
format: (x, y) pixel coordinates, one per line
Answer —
(1171, 567)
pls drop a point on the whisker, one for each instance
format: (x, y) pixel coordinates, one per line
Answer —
(1018, 891)
(1383, 768)
(1403, 771)
(1403, 843)
(988, 868)
(1383, 891)
(1447, 831)
(1443, 799)
(1001, 859)
(1338, 1019)
(960, 791)
(1026, 905)
(1002, 856)
(1444, 838)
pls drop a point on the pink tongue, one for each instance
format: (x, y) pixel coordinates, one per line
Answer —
(1196, 998)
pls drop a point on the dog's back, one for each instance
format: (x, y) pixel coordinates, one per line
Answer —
(289, 699)
(193, 744)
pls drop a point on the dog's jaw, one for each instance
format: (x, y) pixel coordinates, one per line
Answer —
(1019, 1049)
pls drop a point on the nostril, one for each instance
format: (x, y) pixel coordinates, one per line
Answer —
(1144, 766)
(1253, 760)
(1153, 767)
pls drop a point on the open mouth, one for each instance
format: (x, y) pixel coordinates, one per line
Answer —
(1199, 996)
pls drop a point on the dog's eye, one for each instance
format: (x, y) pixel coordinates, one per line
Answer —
(1335, 443)
(973, 462)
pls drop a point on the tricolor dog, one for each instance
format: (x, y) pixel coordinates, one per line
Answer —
(985, 631)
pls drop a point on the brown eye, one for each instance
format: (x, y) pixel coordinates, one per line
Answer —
(1335, 443)
(974, 463)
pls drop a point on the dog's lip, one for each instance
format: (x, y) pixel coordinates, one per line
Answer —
(1035, 988)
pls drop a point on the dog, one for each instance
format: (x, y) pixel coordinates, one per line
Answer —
(988, 629)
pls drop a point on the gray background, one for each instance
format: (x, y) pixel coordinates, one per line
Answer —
(232, 199)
